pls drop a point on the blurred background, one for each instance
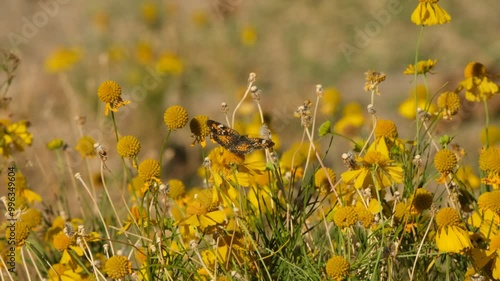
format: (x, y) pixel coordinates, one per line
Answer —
(199, 53)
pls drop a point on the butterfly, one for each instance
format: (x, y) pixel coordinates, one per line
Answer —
(233, 141)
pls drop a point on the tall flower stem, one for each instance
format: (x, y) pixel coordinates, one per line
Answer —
(416, 84)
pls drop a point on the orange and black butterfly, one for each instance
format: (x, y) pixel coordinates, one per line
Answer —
(233, 141)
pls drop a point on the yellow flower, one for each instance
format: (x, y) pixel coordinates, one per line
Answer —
(386, 128)
(466, 175)
(490, 201)
(128, 147)
(420, 201)
(149, 12)
(451, 237)
(248, 36)
(62, 59)
(422, 67)
(199, 130)
(118, 267)
(149, 170)
(445, 161)
(477, 85)
(337, 268)
(20, 232)
(85, 146)
(428, 12)
(493, 135)
(177, 188)
(408, 107)
(175, 117)
(170, 63)
(14, 135)
(143, 52)
(365, 216)
(449, 104)
(375, 164)
(321, 179)
(350, 122)
(61, 241)
(345, 216)
(110, 93)
(331, 101)
(31, 217)
(373, 80)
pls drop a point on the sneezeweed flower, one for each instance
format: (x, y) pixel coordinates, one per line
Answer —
(144, 52)
(490, 201)
(135, 187)
(85, 146)
(248, 35)
(149, 171)
(420, 201)
(345, 216)
(118, 267)
(492, 256)
(14, 136)
(149, 11)
(20, 232)
(169, 63)
(423, 67)
(199, 130)
(373, 80)
(428, 12)
(62, 59)
(408, 106)
(451, 236)
(331, 101)
(489, 161)
(352, 119)
(175, 117)
(375, 164)
(445, 161)
(477, 85)
(449, 104)
(493, 135)
(337, 268)
(177, 189)
(129, 147)
(31, 217)
(110, 93)
(321, 179)
(466, 175)
(23, 192)
(62, 242)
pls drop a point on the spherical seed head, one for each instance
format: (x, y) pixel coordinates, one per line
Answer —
(448, 217)
(177, 188)
(345, 216)
(321, 179)
(61, 241)
(118, 267)
(85, 146)
(109, 91)
(21, 232)
(445, 161)
(198, 126)
(474, 69)
(337, 268)
(449, 102)
(422, 200)
(489, 160)
(386, 128)
(149, 169)
(128, 146)
(175, 117)
(490, 201)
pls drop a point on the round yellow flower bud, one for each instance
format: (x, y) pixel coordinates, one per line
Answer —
(109, 91)
(118, 267)
(128, 147)
(175, 117)
(445, 161)
(149, 169)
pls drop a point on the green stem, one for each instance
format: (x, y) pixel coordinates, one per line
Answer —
(163, 149)
(114, 125)
(415, 94)
(485, 102)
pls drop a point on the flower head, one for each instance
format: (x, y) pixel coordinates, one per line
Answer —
(14, 135)
(490, 201)
(422, 67)
(149, 170)
(170, 63)
(477, 85)
(118, 267)
(345, 216)
(177, 188)
(85, 146)
(421, 201)
(372, 80)
(110, 93)
(62, 59)
(61, 241)
(322, 179)
(445, 161)
(175, 117)
(20, 233)
(128, 147)
(199, 129)
(428, 12)
(451, 237)
(386, 128)
(449, 104)
(337, 268)
(489, 161)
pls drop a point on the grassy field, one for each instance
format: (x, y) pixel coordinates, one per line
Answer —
(349, 141)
